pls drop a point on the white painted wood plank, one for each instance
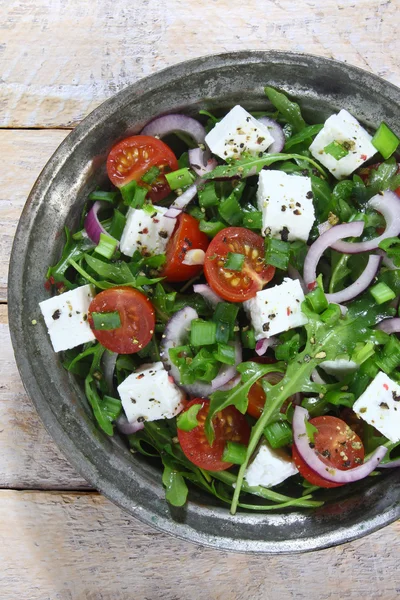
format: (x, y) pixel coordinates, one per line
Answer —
(59, 60)
(23, 156)
(28, 456)
(81, 547)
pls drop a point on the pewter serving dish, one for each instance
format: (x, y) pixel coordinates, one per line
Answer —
(321, 87)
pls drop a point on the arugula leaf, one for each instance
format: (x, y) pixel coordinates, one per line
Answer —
(72, 250)
(176, 490)
(303, 136)
(251, 165)
(288, 109)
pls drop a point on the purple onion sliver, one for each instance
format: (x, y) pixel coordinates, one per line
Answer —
(302, 443)
(127, 428)
(181, 202)
(389, 325)
(162, 126)
(277, 133)
(201, 161)
(262, 346)
(388, 204)
(391, 465)
(209, 296)
(92, 225)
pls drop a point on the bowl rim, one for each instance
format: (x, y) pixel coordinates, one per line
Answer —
(74, 454)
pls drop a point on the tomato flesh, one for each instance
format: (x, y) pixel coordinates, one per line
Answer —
(187, 236)
(336, 445)
(229, 425)
(237, 286)
(137, 319)
(131, 158)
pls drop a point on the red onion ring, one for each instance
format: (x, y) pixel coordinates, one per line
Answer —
(201, 161)
(391, 465)
(263, 345)
(181, 202)
(92, 225)
(209, 296)
(389, 325)
(166, 124)
(127, 428)
(361, 284)
(277, 133)
(388, 204)
(228, 372)
(302, 443)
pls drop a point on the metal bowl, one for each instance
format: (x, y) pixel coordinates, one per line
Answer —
(322, 87)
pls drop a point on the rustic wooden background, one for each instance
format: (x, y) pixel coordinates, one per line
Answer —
(59, 59)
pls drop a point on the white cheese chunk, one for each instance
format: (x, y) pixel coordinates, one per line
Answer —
(66, 318)
(379, 406)
(347, 131)
(148, 233)
(149, 394)
(286, 205)
(276, 309)
(238, 132)
(340, 367)
(269, 467)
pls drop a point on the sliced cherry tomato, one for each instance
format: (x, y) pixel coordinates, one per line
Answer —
(187, 236)
(237, 286)
(336, 444)
(137, 319)
(229, 425)
(130, 159)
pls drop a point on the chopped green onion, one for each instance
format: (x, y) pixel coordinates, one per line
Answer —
(253, 220)
(317, 300)
(248, 338)
(106, 246)
(230, 209)
(332, 314)
(225, 354)
(202, 333)
(311, 430)
(106, 321)
(336, 150)
(382, 293)
(363, 352)
(179, 179)
(151, 175)
(207, 195)
(187, 420)
(340, 398)
(234, 453)
(204, 367)
(389, 357)
(279, 434)
(133, 194)
(385, 140)
(277, 253)
(234, 261)
(103, 196)
(211, 228)
(117, 224)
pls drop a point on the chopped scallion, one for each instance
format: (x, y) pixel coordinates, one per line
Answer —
(234, 261)
(389, 357)
(385, 140)
(151, 175)
(277, 253)
(106, 321)
(211, 228)
(382, 293)
(331, 314)
(248, 338)
(117, 224)
(336, 150)
(207, 195)
(234, 453)
(103, 196)
(225, 354)
(202, 333)
(133, 194)
(253, 220)
(179, 179)
(317, 300)
(187, 420)
(278, 434)
(106, 246)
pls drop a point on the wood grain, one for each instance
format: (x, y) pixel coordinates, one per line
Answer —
(79, 546)
(29, 458)
(59, 60)
(23, 154)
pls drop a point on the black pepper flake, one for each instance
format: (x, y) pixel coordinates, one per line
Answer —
(307, 358)
(265, 327)
(283, 208)
(140, 419)
(133, 400)
(56, 315)
(298, 204)
(326, 453)
(188, 242)
(163, 234)
(84, 317)
(284, 233)
(260, 154)
(297, 212)
(309, 195)
(260, 140)
(311, 445)
(272, 316)
(346, 464)
(395, 397)
(78, 312)
(241, 145)
(140, 376)
(384, 405)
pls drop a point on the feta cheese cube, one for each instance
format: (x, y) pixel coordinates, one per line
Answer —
(347, 131)
(149, 394)
(379, 406)
(148, 233)
(236, 133)
(286, 205)
(66, 318)
(269, 467)
(276, 309)
(340, 367)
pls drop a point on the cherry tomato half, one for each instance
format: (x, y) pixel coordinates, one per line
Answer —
(237, 286)
(133, 157)
(137, 319)
(336, 444)
(229, 425)
(187, 236)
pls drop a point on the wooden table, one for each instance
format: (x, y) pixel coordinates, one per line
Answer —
(59, 59)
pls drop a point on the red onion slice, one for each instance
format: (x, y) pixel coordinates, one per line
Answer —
(175, 123)
(309, 455)
(201, 161)
(181, 202)
(127, 428)
(209, 296)
(391, 465)
(325, 241)
(388, 204)
(277, 133)
(92, 224)
(263, 345)
(360, 285)
(228, 372)
(389, 325)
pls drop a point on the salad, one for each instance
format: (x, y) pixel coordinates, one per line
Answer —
(229, 302)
